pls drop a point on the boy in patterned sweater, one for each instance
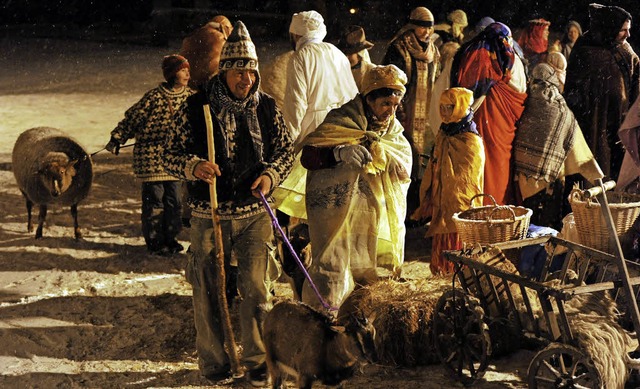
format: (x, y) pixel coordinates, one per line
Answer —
(149, 121)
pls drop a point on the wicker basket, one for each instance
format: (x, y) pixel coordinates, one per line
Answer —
(591, 225)
(492, 223)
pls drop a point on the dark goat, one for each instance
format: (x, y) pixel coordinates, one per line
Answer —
(309, 345)
(299, 239)
(50, 167)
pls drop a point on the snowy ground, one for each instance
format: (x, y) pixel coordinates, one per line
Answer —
(101, 312)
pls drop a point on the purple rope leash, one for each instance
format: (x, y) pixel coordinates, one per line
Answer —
(276, 225)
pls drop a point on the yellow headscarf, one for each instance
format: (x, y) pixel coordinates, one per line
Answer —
(461, 99)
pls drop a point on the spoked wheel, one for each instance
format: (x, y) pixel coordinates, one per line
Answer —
(461, 337)
(563, 366)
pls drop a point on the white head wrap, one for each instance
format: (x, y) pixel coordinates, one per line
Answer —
(308, 24)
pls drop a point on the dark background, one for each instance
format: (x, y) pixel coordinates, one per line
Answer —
(162, 19)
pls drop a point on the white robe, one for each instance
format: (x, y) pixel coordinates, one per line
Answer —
(319, 79)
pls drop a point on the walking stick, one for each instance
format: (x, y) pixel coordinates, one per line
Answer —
(225, 317)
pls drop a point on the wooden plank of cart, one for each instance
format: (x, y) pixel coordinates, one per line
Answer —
(468, 314)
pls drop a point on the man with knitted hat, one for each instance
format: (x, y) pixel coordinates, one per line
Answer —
(253, 152)
(149, 121)
(413, 51)
(359, 149)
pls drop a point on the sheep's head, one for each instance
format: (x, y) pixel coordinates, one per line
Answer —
(57, 173)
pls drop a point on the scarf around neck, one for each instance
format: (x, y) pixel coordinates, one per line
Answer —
(232, 112)
(417, 51)
(465, 125)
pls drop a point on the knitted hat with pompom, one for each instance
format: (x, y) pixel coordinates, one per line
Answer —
(239, 52)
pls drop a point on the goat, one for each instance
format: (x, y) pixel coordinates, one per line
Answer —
(309, 345)
(50, 167)
(300, 242)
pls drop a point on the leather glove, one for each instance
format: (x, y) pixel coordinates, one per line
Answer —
(113, 146)
(357, 155)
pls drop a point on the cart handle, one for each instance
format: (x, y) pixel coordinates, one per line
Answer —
(596, 190)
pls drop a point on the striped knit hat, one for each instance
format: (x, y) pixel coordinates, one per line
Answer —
(239, 52)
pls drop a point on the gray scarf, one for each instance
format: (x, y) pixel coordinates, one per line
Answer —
(231, 112)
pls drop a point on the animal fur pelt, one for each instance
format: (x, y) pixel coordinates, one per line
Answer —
(593, 320)
(202, 49)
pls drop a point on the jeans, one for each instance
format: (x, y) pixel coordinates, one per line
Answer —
(251, 242)
(161, 210)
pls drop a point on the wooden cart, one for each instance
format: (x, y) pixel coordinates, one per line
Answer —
(488, 307)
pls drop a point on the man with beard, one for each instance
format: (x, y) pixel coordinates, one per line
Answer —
(602, 82)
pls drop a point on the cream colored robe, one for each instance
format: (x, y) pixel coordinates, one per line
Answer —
(356, 215)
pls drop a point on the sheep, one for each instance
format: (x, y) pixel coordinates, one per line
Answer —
(309, 345)
(49, 168)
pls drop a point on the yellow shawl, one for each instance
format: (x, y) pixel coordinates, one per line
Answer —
(454, 175)
(356, 214)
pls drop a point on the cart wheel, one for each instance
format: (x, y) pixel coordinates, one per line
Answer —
(563, 366)
(460, 336)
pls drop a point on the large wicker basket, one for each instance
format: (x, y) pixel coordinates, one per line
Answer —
(492, 223)
(591, 225)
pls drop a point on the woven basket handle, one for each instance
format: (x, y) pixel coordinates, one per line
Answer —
(490, 216)
(493, 200)
(580, 196)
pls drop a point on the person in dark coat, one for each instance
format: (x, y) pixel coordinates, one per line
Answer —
(602, 82)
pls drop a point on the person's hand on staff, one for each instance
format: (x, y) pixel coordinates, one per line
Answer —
(206, 171)
(262, 184)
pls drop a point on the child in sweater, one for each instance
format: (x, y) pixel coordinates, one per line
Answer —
(149, 121)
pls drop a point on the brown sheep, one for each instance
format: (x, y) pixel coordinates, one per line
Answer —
(307, 344)
(50, 167)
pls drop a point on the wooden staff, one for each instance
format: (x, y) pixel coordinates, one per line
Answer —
(221, 287)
